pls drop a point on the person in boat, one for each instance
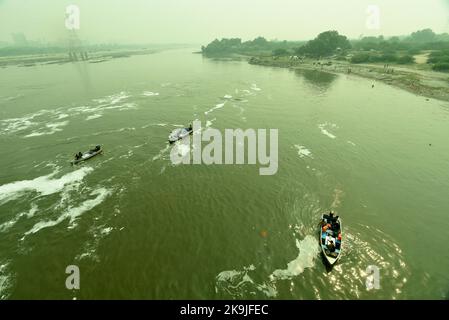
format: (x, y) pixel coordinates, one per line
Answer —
(190, 127)
(326, 227)
(329, 217)
(331, 246)
(79, 155)
(96, 149)
(335, 226)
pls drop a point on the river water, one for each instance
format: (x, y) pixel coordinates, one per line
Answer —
(138, 226)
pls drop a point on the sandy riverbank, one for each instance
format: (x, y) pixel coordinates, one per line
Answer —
(427, 83)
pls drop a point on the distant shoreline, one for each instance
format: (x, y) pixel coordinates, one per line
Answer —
(426, 83)
(62, 58)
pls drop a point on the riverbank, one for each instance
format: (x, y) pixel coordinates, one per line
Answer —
(62, 58)
(427, 83)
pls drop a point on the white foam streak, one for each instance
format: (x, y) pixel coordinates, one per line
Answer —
(29, 214)
(218, 106)
(94, 116)
(308, 251)
(51, 128)
(324, 131)
(303, 151)
(44, 185)
(150, 94)
(72, 213)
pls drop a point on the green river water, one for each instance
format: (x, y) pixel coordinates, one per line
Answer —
(140, 227)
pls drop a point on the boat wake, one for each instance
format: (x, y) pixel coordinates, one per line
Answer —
(240, 284)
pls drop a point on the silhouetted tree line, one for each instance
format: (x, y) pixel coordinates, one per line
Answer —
(259, 45)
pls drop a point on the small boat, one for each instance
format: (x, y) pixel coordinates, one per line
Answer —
(88, 155)
(330, 238)
(179, 134)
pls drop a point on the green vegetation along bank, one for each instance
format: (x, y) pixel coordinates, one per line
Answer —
(418, 63)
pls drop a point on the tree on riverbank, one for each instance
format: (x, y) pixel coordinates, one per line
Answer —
(325, 44)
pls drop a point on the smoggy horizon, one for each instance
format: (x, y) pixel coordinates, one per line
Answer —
(199, 21)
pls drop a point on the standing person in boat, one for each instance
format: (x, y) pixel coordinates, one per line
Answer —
(331, 216)
(79, 155)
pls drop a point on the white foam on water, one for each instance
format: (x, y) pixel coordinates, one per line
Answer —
(14, 125)
(11, 98)
(114, 98)
(227, 96)
(6, 280)
(308, 252)
(72, 213)
(237, 282)
(303, 151)
(29, 214)
(98, 233)
(62, 116)
(210, 122)
(218, 106)
(150, 94)
(106, 231)
(94, 116)
(108, 103)
(323, 127)
(161, 153)
(17, 125)
(51, 128)
(351, 143)
(126, 106)
(44, 185)
(255, 88)
(129, 154)
(126, 129)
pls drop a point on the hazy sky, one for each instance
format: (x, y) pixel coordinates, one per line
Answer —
(200, 21)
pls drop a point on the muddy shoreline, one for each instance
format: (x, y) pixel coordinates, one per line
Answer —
(429, 84)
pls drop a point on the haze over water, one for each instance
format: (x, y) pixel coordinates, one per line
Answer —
(140, 227)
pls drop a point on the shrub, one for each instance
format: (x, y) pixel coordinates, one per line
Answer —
(360, 58)
(280, 52)
(442, 66)
(406, 59)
